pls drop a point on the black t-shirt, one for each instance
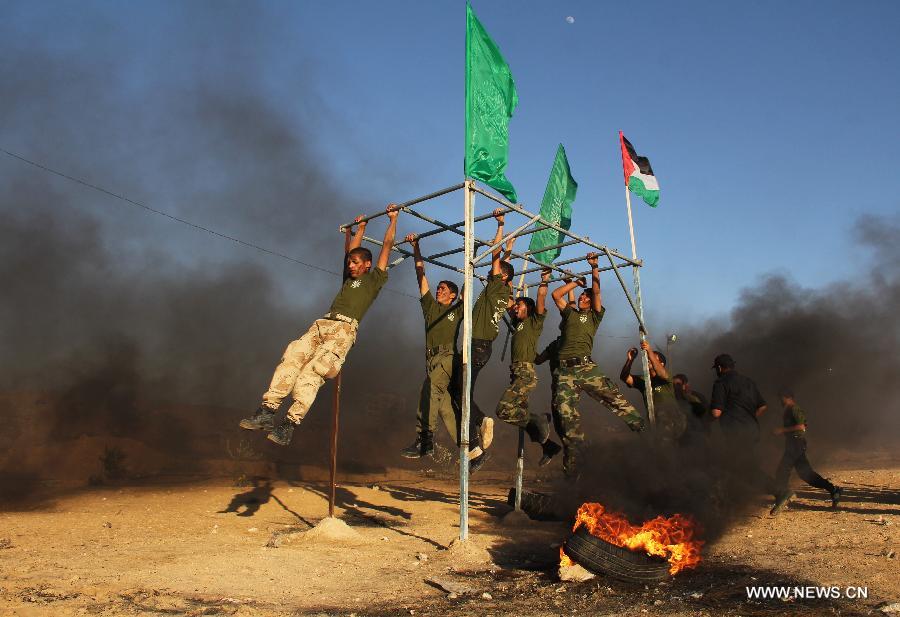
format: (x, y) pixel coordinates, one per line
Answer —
(738, 398)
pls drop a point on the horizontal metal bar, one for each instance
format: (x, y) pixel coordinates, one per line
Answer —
(406, 204)
(552, 246)
(565, 262)
(406, 254)
(444, 226)
(572, 275)
(491, 248)
(583, 240)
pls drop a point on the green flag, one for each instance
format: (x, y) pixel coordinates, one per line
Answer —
(490, 100)
(556, 208)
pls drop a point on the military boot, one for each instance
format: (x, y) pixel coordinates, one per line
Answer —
(262, 420)
(549, 449)
(476, 463)
(282, 433)
(422, 446)
(836, 496)
(781, 502)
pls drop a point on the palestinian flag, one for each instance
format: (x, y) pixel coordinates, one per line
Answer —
(639, 176)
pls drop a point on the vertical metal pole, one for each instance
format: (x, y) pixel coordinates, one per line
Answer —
(520, 468)
(334, 440)
(468, 292)
(648, 386)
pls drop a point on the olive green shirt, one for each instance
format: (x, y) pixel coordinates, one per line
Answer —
(489, 308)
(442, 322)
(663, 390)
(578, 330)
(357, 295)
(525, 339)
(793, 416)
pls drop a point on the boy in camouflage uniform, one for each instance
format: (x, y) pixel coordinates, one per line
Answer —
(551, 356)
(487, 312)
(794, 431)
(671, 422)
(442, 319)
(577, 371)
(528, 323)
(320, 353)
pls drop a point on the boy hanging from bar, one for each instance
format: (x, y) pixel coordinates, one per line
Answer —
(320, 353)
(671, 421)
(551, 356)
(528, 323)
(578, 372)
(487, 312)
(443, 316)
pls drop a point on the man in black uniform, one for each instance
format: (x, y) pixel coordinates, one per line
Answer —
(794, 431)
(736, 403)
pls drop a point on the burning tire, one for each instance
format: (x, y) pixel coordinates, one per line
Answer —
(601, 557)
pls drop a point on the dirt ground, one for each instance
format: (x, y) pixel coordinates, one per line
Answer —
(199, 546)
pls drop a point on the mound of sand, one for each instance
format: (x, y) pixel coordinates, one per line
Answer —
(330, 530)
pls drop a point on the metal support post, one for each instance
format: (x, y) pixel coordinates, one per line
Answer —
(468, 292)
(520, 468)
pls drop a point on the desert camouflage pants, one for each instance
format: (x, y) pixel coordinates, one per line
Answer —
(572, 381)
(307, 362)
(434, 399)
(513, 405)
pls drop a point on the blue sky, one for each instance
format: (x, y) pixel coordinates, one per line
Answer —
(770, 125)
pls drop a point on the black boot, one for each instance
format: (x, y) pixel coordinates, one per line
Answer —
(549, 449)
(262, 420)
(781, 502)
(423, 446)
(282, 433)
(476, 463)
(836, 496)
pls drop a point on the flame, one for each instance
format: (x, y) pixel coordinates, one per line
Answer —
(564, 561)
(673, 538)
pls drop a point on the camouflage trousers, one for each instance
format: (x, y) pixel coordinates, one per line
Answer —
(307, 362)
(572, 381)
(434, 399)
(513, 405)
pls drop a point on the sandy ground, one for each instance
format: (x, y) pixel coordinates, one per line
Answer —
(188, 546)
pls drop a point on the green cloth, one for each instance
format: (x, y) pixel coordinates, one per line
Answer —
(356, 295)
(793, 416)
(556, 208)
(489, 308)
(490, 101)
(442, 322)
(525, 339)
(578, 329)
(663, 391)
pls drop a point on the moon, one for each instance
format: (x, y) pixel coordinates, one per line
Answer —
(570, 19)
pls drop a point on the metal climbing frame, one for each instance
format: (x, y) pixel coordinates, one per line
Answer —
(471, 261)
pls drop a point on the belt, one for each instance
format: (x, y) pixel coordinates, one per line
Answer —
(339, 317)
(579, 361)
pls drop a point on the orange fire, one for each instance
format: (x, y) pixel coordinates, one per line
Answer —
(672, 538)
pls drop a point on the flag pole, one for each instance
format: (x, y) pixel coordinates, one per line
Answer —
(648, 386)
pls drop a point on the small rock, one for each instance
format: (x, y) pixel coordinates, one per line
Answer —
(108, 525)
(384, 538)
(574, 574)
(657, 603)
(452, 596)
(486, 596)
(891, 555)
(890, 609)
(697, 595)
(253, 530)
(5, 543)
(450, 586)
(421, 556)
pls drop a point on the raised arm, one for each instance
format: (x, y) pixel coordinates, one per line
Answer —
(541, 304)
(497, 253)
(596, 301)
(560, 292)
(625, 374)
(392, 211)
(420, 263)
(654, 361)
(356, 240)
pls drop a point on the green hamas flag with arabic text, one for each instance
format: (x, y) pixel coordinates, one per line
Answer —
(490, 100)
(556, 208)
